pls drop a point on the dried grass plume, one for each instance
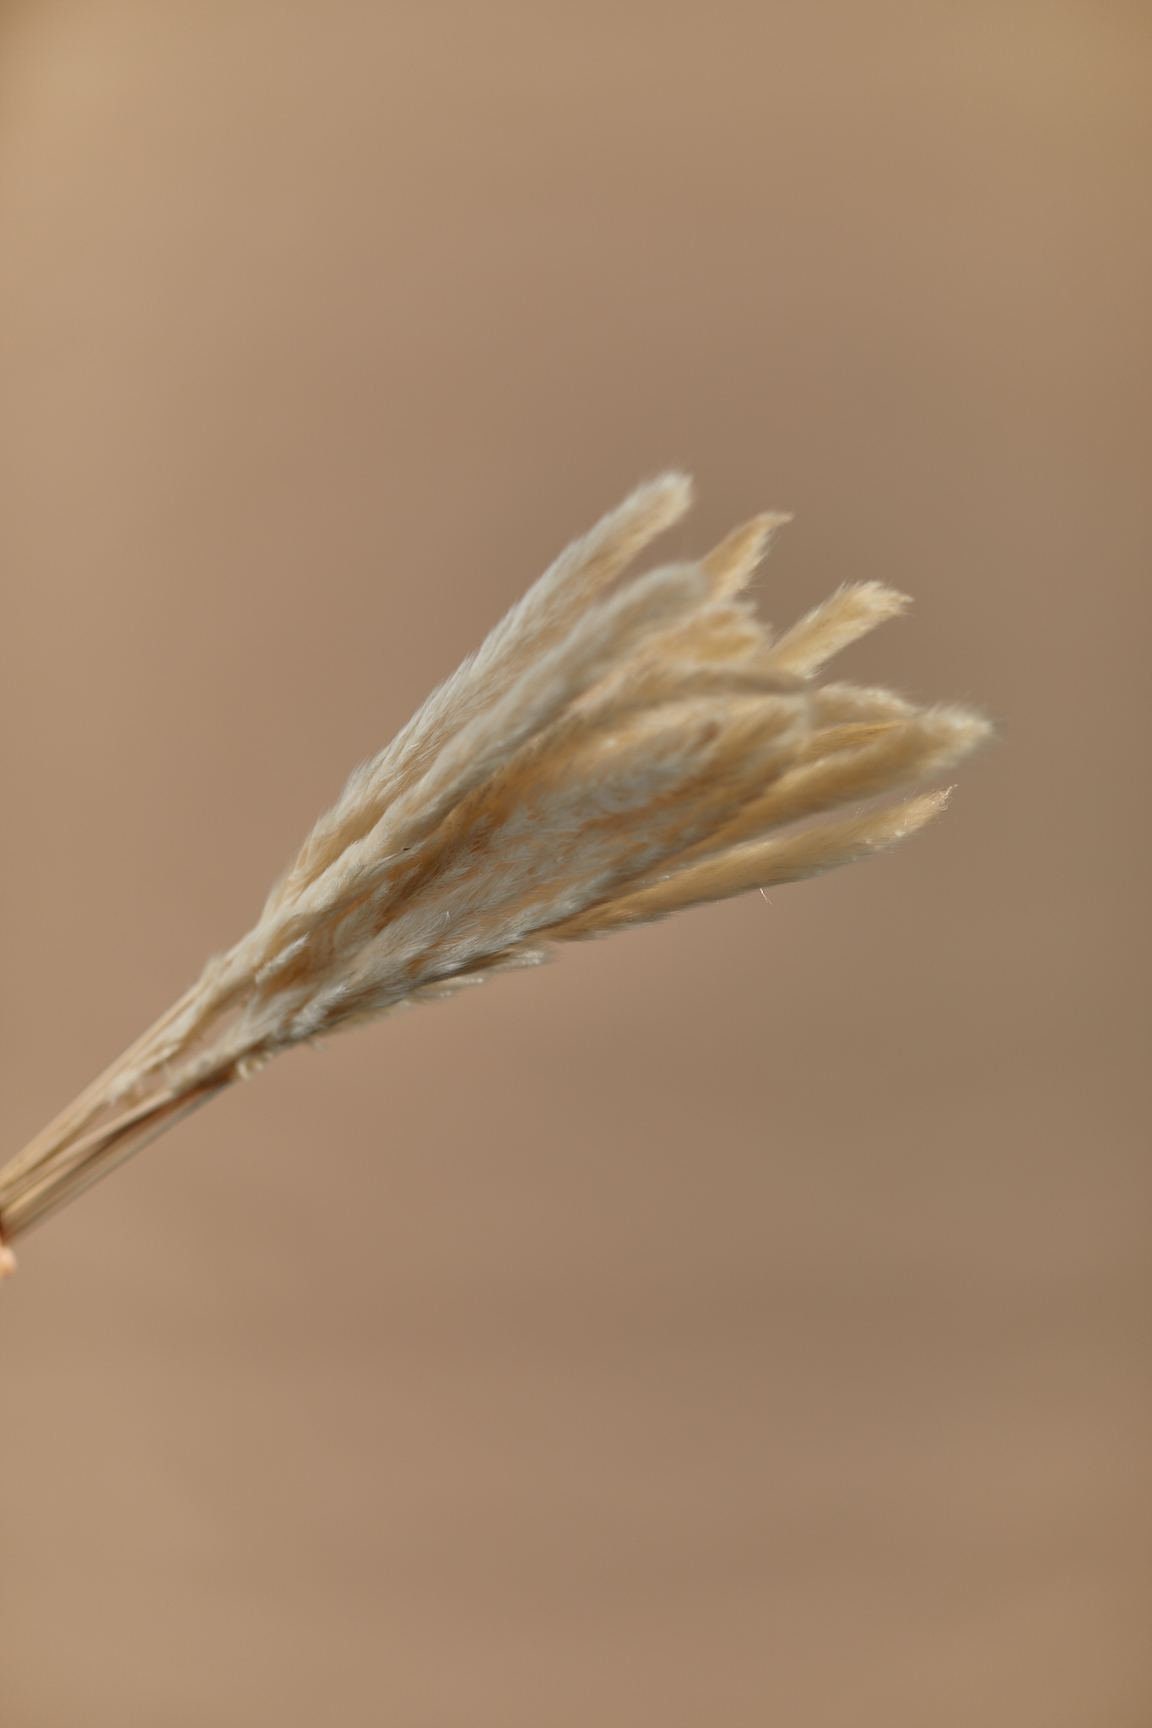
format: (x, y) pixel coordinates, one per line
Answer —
(623, 745)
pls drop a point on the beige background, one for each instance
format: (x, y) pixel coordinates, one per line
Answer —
(745, 1321)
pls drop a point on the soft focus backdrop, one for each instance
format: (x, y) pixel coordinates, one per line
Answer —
(744, 1321)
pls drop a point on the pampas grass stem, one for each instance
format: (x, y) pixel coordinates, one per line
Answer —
(622, 746)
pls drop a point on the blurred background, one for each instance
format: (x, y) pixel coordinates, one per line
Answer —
(745, 1320)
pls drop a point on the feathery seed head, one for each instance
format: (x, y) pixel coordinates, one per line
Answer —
(622, 746)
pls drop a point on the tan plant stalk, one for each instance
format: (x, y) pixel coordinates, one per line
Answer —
(621, 746)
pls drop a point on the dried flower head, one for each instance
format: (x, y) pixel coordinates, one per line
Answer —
(623, 745)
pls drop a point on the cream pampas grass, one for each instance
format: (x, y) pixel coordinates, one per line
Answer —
(623, 745)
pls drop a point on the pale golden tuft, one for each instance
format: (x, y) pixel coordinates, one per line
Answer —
(622, 746)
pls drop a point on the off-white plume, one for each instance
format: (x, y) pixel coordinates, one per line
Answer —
(623, 745)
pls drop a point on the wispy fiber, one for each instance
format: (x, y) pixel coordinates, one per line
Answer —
(623, 745)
